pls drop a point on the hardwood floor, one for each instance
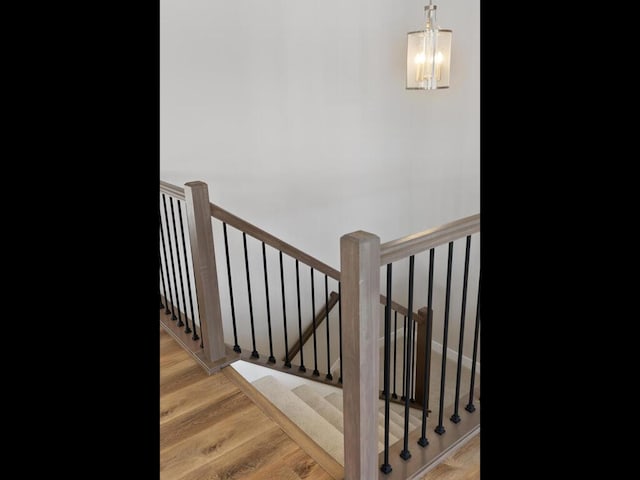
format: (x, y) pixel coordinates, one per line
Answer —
(463, 464)
(211, 430)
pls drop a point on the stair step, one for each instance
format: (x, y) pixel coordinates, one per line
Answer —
(396, 414)
(395, 429)
(311, 422)
(335, 399)
(320, 405)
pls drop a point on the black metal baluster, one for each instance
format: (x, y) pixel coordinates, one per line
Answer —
(161, 276)
(405, 454)
(160, 293)
(164, 267)
(404, 354)
(287, 362)
(386, 467)
(174, 293)
(301, 368)
(186, 264)
(394, 395)
(470, 407)
(313, 313)
(163, 280)
(455, 418)
(440, 428)
(340, 328)
(423, 441)
(272, 359)
(236, 347)
(413, 367)
(187, 329)
(254, 354)
(175, 241)
(326, 320)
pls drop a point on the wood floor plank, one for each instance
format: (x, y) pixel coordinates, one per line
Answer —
(172, 355)
(210, 443)
(189, 372)
(463, 464)
(210, 429)
(259, 458)
(206, 390)
(166, 340)
(304, 466)
(201, 418)
(170, 371)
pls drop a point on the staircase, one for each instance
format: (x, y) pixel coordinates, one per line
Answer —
(235, 324)
(316, 408)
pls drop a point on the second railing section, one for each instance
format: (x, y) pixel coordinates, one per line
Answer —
(438, 268)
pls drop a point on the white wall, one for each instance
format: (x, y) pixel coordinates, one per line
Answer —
(295, 114)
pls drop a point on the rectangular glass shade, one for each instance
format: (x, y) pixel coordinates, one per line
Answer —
(428, 59)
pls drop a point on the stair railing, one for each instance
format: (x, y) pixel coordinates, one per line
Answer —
(189, 283)
(361, 258)
(277, 286)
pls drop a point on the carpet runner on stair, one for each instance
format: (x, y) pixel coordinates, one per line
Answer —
(319, 414)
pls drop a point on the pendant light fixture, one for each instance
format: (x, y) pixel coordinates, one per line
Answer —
(428, 54)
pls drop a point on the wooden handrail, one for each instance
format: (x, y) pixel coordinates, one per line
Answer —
(173, 190)
(256, 232)
(434, 237)
(400, 309)
(244, 226)
(333, 299)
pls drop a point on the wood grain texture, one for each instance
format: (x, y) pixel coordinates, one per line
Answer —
(240, 427)
(192, 396)
(209, 429)
(360, 267)
(434, 237)
(190, 373)
(204, 269)
(463, 464)
(254, 457)
(171, 189)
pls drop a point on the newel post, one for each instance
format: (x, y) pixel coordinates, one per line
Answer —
(204, 269)
(360, 284)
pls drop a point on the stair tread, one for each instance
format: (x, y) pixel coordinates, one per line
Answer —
(335, 399)
(320, 405)
(311, 422)
(396, 414)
